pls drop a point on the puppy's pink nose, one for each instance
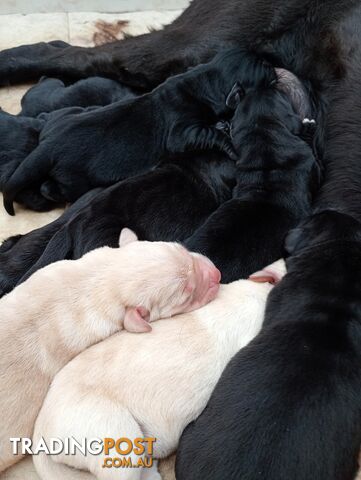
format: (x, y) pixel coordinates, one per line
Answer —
(214, 277)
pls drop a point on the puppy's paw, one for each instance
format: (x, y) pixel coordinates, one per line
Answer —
(307, 121)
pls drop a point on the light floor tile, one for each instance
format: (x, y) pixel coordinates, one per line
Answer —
(90, 28)
(10, 97)
(38, 27)
(23, 222)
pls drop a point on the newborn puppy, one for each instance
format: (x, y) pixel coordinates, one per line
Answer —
(68, 306)
(277, 175)
(157, 395)
(82, 151)
(19, 134)
(19, 137)
(166, 204)
(51, 94)
(19, 253)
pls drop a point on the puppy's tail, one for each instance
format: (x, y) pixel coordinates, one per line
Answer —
(32, 170)
(48, 469)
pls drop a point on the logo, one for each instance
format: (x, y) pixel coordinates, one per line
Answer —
(119, 453)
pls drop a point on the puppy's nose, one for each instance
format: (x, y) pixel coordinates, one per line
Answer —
(210, 272)
(214, 277)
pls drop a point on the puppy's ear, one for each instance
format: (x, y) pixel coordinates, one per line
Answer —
(235, 96)
(136, 320)
(271, 274)
(127, 236)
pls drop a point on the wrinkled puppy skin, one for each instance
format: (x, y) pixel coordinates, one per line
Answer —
(73, 305)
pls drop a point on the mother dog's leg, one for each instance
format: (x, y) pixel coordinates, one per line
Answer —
(143, 61)
(195, 37)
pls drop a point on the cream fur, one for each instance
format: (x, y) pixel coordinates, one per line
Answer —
(148, 385)
(68, 306)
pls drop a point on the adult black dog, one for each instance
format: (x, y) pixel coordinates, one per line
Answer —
(78, 152)
(290, 402)
(294, 392)
(302, 36)
(277, 176)
(52, 94)
(203, 30)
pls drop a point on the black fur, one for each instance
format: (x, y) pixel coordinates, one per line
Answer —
(202, 31)
(288, 405)
(167, 204)
(274, 179)
(52, 94)
(19, 253)
(302, 36)
(276, 176)
(18, 137)
(82, 151)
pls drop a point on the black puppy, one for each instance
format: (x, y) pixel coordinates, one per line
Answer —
(51, 94)
(168, 204)
(99, 148)
(277, 173)
(19, 134)
(19, 253)
(199, 185)
(303, 369)
(18, 137)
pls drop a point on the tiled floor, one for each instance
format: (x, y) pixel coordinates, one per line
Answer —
(75, 28)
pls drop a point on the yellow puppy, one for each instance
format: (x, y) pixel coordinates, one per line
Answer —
(68, 306)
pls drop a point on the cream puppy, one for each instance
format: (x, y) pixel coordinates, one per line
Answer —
(68, 306)
(156, 392)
